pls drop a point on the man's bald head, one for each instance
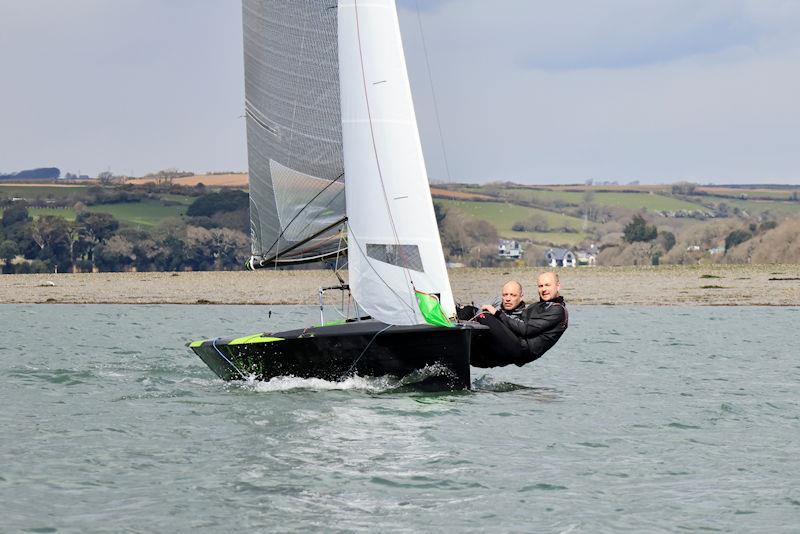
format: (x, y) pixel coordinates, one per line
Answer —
(548, 285)
(511, 295)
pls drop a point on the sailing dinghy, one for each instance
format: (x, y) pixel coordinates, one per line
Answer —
(333, 147)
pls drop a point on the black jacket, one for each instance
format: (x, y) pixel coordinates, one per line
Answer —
(540, 326)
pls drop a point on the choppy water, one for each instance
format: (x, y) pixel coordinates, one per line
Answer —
(642, 419)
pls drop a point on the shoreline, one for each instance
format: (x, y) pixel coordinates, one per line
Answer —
(696, 285)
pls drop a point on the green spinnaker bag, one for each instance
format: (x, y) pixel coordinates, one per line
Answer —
(432, 310)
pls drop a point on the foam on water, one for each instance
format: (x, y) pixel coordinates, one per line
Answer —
(369, 384)
(292, 383)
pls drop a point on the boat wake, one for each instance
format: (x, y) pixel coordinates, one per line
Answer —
(429, 378)
(490, 385)
(294, 383)
(422, 379)
(487, 383)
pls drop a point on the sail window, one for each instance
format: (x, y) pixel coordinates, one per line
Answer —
(406, 256)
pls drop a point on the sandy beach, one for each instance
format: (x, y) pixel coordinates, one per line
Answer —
(715, 285)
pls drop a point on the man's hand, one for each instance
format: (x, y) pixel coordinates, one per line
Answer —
(489, 308)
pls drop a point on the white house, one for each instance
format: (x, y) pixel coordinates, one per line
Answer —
(560, 257)
(509, 250)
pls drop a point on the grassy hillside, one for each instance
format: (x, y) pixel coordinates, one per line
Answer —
(756, 207)
(43, 191)
(503, 216)
(649, 201)
(755, 192)
(148, 213)
(638, 197)
(557, 207)
(729, 208)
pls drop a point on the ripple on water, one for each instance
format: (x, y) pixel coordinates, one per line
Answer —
(542, 487)
(683, 434)
(683, 426)
(62, 377)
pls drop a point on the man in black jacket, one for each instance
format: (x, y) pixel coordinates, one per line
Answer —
(521, 340)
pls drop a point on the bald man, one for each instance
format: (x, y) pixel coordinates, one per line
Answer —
(523, 339)
(510, 299)
(509, 302)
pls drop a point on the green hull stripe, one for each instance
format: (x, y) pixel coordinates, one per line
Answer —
(198, 343)
(257, 338)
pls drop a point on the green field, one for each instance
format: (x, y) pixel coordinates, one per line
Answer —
(66, 213)
(630, 200)
(503, 216)
(182, 199)
(148, 213)
(755, 207)
(649, 201)
(753, 194)
(45, 191)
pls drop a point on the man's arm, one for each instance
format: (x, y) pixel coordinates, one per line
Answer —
(515, 324)
(549, 318)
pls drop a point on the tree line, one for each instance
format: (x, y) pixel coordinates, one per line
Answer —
(212, 237)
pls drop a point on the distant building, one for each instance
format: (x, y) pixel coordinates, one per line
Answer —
(560, 257)
(585, 258)
(509, 250)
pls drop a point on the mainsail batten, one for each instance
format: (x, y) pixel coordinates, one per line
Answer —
(387, 186)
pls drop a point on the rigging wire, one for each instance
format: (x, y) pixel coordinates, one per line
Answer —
(442, 144)
(214, 344)
(346, 374)
(433, 94)
(336, 269)
(344, 306)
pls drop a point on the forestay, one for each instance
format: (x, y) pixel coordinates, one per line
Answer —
(394, 249)
(294, 138)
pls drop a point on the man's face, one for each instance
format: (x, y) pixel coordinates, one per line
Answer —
(512, 296)
(548, 286)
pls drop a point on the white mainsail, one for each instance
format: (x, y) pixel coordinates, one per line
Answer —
(394, 248)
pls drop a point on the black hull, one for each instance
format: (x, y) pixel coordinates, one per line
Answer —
(365, 348)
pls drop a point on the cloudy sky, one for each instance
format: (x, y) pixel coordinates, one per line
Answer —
(527, 90)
